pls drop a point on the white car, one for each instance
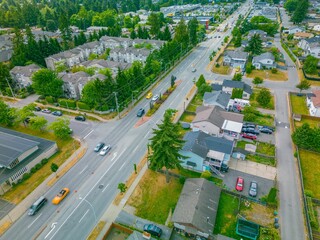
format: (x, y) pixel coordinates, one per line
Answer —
(155, 98)
(105, 150)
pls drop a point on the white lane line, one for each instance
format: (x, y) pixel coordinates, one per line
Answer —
(102, 176)
(84, 216)
(34, 221)
(83, 169)
(135, 149)
(88, 134)
(106, 187)
(122, 166)
(146, 134)
(53, 226)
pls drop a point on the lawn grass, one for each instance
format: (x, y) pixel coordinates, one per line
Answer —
(242, 144)
(66, 147)
(226, 220)
(310, 166)
(265, 120)
(260, 159)
(299, 104)
(266, 148)
(268, 75)
(196, 102)
(312, 122)
(225, 70)
(192, 174)
(154, 198)
(187, 117)
(254, 103)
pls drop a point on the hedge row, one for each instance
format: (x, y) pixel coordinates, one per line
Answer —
(68, 103)
(83, 106)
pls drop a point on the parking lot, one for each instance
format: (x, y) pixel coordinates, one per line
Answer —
(264, 185)
(267, 138)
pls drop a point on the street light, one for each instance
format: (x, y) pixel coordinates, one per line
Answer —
(94, 213)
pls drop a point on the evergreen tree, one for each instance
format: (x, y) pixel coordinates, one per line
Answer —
(140, 32)
(5, 78)
(65, 29)
(301, 12)
(192, 28)
(181, 34)
(255, 45)
(166, 36)
(133, 34)
(19, 49)
(33, 52)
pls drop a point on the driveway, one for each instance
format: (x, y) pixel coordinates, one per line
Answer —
(267, 138)
(264, 185)
(138, 223)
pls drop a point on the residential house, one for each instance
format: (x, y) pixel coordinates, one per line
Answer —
(302, 35)
(22, 74)
(310, 46)
(197, 207)
(129, 55)
(236, 58)
(264, 60)
(316, 28)
(293, 30)
(205, 152)
(94, 47)
(313, 103)
(270, 13)
(218, 122)
(68, 58)
(99, 64)
(71, 82)
(96, 29)
(216, 98)
(229, 85)
(262, 34)
(115, 42)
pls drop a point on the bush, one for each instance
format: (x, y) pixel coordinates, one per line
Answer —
(217, 65)
(274, 70)
(206, 174)
(249, 68)
(44, 161)
(33, 170)
(68, 103)
(308, 193)
(38, 166)
(182, 180)
(249, 117)
(50, 99)
(83, 106)
(26, 176)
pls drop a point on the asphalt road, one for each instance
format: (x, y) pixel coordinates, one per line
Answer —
(94, 179)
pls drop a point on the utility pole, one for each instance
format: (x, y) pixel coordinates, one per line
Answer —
(115, 95)
(10, 87)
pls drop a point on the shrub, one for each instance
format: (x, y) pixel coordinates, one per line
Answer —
(274, 70)
(217, 65)
(68, 103)
(19, 180)
(33, 170)
(250, 117)
(206, 174)
(38, 166)
(50, 99)
(182, 180)
(308, 193)
(26, 176)
(44, 161)
(83, 106)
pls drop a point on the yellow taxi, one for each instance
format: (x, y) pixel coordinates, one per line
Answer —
(149, 95)
(60, 196)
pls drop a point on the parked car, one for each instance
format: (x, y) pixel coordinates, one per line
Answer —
(80, 118)
(249, 136)
(240, 184)
(249, 125)
(99, 146)
(266, 130)
(60, 196)
(155, 97)
(105, 150)
(253, 190)
(46, 111)
(251, 130)
(57, 113)
(38, 109)
(152, 229)
(140, 112)
(270, 128)
(149, 95)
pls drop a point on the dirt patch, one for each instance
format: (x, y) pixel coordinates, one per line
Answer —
(96, 231)
(257, 213)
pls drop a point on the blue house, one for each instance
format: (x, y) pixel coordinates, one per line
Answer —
(206, 152)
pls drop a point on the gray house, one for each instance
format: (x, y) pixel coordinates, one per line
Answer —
(262, 34)
(236, 58)
(73, 83)
(196, 210)
(205, 152)
(22, 74)
(229, 85)
(265, 60)
(216, 98)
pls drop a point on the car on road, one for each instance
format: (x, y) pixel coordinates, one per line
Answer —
(149, 95)
(105, 150)
(57, 113)
(140, 112)
(38, 109)
(99, 146)
(80, 118)
(60, 196)
(240, 184)
(37, 205)
(46, 110)
(155, 97)
(253, 189)
(152, 229)
(266, 130)
(249, 136)
(194, 70)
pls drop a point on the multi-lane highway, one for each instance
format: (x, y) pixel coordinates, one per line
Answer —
(94, 179)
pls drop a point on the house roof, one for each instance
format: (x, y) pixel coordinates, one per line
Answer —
(25, 70)
(237, 54)
(216, 87)
(237, 84)
(75, 77)
(217, 97)
(266, 55)
(295, 27)
(256, 31)
(316, 98)
(303, 34)
(198, 205)
(12, 146)
(315, 39)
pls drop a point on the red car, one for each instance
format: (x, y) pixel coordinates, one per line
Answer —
(239, 184)
(249, 136)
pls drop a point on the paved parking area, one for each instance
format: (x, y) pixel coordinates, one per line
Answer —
(132, 220)
(264, 185)
(267, 138)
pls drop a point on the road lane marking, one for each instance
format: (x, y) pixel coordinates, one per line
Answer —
(122, 166)
(135, 148)
(114, 156)
(34, 221)
(53, 226)
(85, 197)
(106, 187)
(146, 134)
(84, 216)
(83, 169)
(87, 134)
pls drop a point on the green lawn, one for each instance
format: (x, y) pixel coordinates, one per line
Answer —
(266, 148)
(254, 103)
(310, 166)
(187, 117)
(266, 119)
(242, 144)
(226, 220)
(260, 159)
(311, 122)
(196, 102)
(192, 174)
(299, 104)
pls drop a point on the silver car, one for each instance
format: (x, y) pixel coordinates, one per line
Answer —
(105, 150)
(253, 190)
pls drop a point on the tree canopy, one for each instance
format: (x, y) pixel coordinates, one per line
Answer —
(255, 45)
(264, 97)
(46, 82)
(307, 138)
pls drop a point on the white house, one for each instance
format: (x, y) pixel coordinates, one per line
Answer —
(22, 74)
(310, 46)
(316, 28)
(313, 103)
(236, 58)
(293, 30)
(265, 60)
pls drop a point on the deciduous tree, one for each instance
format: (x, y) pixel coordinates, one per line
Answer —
(303, 85)
(46, 82)
(264, 97)
(61, 127)
(38, 123)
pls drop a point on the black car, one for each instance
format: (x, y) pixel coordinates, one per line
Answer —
(80, 118)
(250, 130)
(57, 113)
(266, 130)
(38, 109)
(152, 229)
(99, 146)
(140, 112)
(249, 125)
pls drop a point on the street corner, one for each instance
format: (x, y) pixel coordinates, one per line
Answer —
(141, 121)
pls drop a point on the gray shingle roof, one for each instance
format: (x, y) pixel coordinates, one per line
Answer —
(315, 39)
(237, 54)
(216, 87)
(197, 206)
(237, 84)
(217, 97)
(25, 70)
(266, 55)
(11, 147)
